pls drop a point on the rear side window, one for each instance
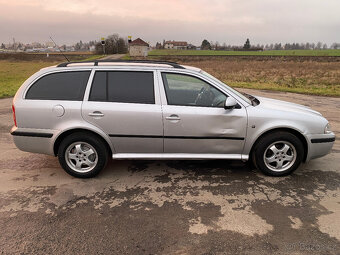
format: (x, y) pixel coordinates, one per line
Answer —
(123, 87)
(60, 86)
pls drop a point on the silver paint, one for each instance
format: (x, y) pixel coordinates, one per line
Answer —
(161, 119)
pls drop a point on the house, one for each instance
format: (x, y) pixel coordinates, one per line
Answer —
(138, 48)
(177, 45)
(191, 47)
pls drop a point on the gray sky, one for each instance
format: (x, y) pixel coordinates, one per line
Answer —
(230, 21)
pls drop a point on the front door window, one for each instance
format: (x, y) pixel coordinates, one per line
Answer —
(187, 90)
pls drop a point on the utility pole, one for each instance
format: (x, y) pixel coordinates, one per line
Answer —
(14, 47)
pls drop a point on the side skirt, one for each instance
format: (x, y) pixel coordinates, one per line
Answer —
(176, 156)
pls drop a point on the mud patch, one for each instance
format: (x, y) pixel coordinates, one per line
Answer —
(329, 223)
(186, 207)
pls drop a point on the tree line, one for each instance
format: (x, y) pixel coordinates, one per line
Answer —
(114, 44)
(206, 45)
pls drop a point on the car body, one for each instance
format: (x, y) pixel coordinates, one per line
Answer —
(157, 110)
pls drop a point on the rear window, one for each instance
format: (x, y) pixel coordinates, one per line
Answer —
(60, 86)
(123, 87)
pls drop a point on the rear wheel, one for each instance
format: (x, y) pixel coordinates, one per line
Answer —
(278, 153)
(82, 155)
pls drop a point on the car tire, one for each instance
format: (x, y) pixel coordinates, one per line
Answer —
(82, 155)
(278, 153)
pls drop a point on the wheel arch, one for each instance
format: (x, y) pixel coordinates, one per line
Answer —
(299, 135)
(66, 133)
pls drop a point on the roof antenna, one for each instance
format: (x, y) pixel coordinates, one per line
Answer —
(59, 49)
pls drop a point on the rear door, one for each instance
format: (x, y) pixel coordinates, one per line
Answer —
(126, 106)
(195, 120)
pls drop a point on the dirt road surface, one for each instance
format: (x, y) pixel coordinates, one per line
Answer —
(113, 57)
(169, 207)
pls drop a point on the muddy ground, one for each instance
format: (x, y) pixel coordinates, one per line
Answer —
(169, 207)
(52, 56)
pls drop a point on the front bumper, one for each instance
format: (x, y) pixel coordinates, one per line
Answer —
(319, 145)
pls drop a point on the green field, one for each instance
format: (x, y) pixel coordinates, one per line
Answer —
(14, 73)
(317, 53)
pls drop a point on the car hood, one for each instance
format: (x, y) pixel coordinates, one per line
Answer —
(286, 106)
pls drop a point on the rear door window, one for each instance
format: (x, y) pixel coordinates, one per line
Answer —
(60, 86)
(99, 86)
(123, 87)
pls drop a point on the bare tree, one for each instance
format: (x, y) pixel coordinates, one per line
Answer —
(113, 45)
(318, 46)
(335, 46)
(307, 46)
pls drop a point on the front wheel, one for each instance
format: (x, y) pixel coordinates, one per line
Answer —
(82, 155)
(278, 153)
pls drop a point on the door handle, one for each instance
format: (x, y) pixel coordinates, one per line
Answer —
(173, 117)
(96, 114)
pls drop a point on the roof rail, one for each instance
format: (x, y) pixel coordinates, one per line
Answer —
(173, 64)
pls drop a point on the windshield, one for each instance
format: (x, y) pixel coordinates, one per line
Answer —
(244, 96)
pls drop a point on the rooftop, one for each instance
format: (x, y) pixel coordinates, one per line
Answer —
(138, 42)
(177, 43)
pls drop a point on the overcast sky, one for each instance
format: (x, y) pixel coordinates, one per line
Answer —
(229, 21)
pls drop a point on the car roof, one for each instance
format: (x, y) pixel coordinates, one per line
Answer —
(123, 62)
(99, 64)
(124, 65)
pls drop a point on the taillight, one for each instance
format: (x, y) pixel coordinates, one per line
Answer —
(14, 118)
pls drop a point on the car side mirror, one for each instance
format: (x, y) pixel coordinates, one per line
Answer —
(230, 103)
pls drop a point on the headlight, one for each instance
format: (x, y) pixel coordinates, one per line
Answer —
(328, 129)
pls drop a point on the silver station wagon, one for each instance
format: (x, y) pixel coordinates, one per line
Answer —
(86, 112)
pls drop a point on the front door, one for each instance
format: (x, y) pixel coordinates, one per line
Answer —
(124, 105)
(195, 120)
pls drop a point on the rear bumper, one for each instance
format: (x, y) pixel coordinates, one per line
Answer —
(33, 140)
(319, 145)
